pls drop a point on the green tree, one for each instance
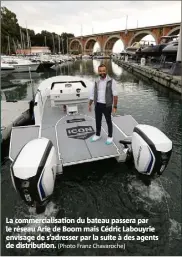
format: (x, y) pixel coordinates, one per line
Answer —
(11, 29)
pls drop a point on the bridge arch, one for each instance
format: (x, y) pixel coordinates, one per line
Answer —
(109, 43)
(75, 45)
(141, 34)
(89, 44)
(174, 31)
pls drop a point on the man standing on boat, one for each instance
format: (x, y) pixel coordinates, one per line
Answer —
(104, 95)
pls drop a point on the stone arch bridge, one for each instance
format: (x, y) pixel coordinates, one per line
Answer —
(85, 44)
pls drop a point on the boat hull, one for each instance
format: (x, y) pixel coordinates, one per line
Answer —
(26, 67)
(154, 51)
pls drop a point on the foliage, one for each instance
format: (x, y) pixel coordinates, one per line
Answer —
(11, 32)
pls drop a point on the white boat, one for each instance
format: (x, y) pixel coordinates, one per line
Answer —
(6, 69)
(25, 66)
(21, 65)
(61, 137)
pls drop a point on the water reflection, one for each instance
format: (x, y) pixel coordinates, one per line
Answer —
(96, 64)
(16, 90)
(113, 69)
(130, 85)
(116, 69)
(85, 68)
(16, 93)
(81, 69)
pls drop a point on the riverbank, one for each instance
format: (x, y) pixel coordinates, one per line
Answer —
(172, 82)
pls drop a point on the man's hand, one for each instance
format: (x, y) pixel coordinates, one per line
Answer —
(114, 110)
(89, 105)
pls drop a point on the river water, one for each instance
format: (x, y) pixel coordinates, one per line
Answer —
(106, 189)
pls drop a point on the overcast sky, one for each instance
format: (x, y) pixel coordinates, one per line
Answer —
(93, 16)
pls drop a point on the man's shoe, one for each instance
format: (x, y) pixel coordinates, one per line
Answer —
(95, 138)
(109, 141)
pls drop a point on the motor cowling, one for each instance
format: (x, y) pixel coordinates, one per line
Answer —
(33, 172)
(151, 149)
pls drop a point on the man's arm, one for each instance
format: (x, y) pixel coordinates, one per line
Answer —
(115, 94)
(91, 98)
(115, 101)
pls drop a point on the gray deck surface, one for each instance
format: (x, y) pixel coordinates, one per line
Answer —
(11, 111)
(21, 136)
(73, 150)
(127, 123)
(68, 135)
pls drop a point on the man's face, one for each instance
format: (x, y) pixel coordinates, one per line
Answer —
(102, 72)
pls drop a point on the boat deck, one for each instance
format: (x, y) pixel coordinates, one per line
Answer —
(71, 134)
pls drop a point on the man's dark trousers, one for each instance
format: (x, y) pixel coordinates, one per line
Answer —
(100, 109)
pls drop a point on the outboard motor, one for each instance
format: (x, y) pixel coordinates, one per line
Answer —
(33, 172)
(151, 150)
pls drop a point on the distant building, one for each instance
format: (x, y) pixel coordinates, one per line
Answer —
(34, 50)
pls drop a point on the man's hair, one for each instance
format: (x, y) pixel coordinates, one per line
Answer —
(102, 65)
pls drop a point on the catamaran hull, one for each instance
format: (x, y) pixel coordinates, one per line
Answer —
(33, 172)
(61, 138)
